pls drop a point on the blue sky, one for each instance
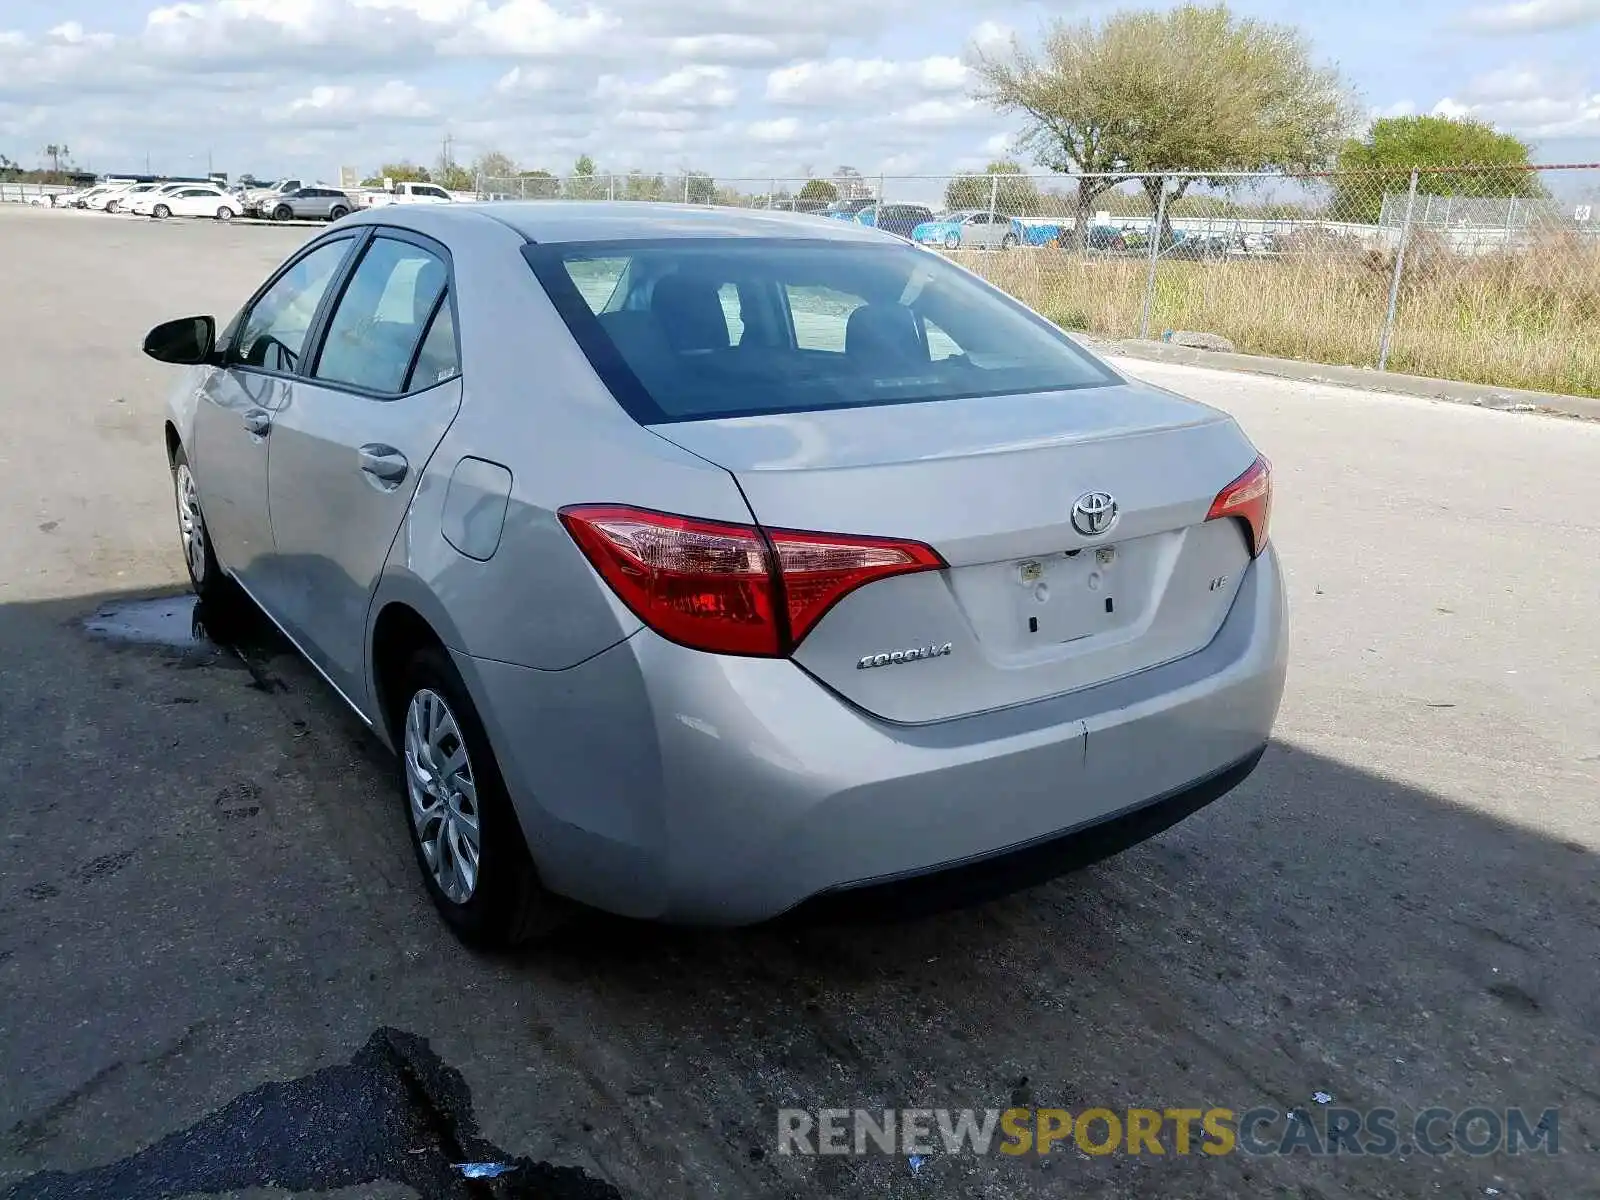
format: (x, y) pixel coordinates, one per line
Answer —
(742, 88)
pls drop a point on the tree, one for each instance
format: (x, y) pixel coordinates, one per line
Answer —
(493, 166)
(1005, 182)
(404, 171)
(1396, 145)
(818, 192)
(1149, 93)
(58, 153)
(583, 184)
(539, 185)
(453, 177)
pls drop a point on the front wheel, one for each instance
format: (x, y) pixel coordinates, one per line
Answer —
(282, 213)
(224, 213)
(161, 212)
(468, 842)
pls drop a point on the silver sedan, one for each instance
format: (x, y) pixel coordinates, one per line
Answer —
(704, 565)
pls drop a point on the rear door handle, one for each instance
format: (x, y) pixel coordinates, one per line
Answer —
(258, 421)
(383, 463)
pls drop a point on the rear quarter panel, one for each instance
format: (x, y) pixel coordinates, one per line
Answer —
(532, 405)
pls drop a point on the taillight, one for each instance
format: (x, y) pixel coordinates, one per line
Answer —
(1249, 498)
(730, 588)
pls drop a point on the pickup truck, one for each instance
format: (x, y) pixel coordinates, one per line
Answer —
(406, 193)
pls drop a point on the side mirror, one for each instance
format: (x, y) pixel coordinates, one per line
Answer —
(188, 341)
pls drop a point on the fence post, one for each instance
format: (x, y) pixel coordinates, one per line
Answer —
(994, 192)
(686, 189)
(611, 187)
(1155, 250)
(1399, 269)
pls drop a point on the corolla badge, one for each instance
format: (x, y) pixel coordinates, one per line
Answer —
(1094, 513)
(893, 658)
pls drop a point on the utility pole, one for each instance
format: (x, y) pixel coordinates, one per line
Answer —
(448, 163)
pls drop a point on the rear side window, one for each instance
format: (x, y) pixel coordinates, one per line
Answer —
(698, 328)
(383, 314)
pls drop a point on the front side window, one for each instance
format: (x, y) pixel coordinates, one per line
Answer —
(378, 322)
(272, 335)
(700, 328)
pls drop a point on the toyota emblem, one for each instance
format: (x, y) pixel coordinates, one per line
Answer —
(1094, 513)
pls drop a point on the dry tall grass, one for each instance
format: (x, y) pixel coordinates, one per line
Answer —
(1528, 318)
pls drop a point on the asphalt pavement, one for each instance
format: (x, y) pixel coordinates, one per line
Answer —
(219, 974)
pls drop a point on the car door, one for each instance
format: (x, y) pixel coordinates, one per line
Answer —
(229, 442)
(351, 444)
(190, 202)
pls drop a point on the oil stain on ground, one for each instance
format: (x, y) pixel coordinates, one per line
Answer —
(394, 1113)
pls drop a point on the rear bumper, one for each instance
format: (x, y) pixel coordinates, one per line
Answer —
(986, 878)
(660, 782)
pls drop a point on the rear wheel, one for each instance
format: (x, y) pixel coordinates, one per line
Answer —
(111, 206)
(224, 213)
(161, 211)
(337, 212)
(468, 842)
(282, 213)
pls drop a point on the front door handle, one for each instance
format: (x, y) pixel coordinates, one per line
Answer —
(258, 421)
(383, 463)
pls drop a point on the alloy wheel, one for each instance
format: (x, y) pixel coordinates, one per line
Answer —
(191, 526)
(444, 795)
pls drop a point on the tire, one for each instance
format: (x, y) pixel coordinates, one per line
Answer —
(283, 213)
(111, 206)
(1009, 242)
(224, 213)
(338, 212)
(503, 904)
(952, 241)
(161, 212)
(221, 600)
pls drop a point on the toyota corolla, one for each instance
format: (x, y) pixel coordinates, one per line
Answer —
(704, 565)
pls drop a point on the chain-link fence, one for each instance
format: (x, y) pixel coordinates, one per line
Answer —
(1489, 275)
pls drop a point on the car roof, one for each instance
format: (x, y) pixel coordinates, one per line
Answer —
(621, 220)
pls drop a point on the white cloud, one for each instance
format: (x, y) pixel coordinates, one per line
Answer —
(341, 104)
(782, 129)
(738, 87)
(1529, 100)
(685, 88)
(827, 82)
(992, 38)
(1533, 16)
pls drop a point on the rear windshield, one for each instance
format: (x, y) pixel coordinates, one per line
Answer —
(691, 329)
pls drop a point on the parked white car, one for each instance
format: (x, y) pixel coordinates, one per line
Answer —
(123, 200)
(98, 198)
(141, 203)
(196, 200)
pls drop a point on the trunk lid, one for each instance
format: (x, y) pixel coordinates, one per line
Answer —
(1030, 606)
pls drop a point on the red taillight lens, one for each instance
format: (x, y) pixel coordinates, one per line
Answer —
(1249, 498)
(728, 588)
(820, 569)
